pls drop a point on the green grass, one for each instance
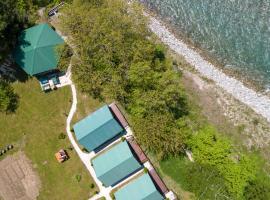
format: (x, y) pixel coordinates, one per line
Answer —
(34, 129)
(204, 181)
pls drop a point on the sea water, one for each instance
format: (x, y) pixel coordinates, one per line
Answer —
(236, 33)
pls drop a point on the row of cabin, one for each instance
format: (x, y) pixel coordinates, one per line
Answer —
(122, 159)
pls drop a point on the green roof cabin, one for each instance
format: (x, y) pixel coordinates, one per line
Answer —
(115, 164)
(36, 49)
(97, 129)
(141, 188)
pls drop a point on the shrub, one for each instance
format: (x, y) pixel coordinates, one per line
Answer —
(61, 136)
(258, 189)
(65, 53)
(85, 150)
(145, 170)
(78, 177)
(70, 148)
(8, 99)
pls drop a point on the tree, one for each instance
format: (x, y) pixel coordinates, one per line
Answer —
(8, 99)
(64, 52)
(15, 15)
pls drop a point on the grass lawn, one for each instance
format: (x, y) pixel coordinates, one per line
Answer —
(35, 128)
(86, 105)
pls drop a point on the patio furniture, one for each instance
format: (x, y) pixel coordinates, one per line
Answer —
(61, 156)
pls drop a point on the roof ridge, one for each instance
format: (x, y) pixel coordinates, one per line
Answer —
(34, 49)
(116, 167)
(43, 26)
(103, 124)
(41, 55)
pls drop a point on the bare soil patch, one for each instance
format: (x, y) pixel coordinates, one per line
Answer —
(18, 180)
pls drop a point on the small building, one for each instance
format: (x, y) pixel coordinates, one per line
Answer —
(115, 164)
(97, 129)
(142, 188)
(36, 49)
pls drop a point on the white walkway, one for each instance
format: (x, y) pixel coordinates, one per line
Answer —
(85, 157)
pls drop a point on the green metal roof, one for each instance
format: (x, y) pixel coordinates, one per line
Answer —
(115, 164)
(97, 128)
(141, 188)
(35, 52)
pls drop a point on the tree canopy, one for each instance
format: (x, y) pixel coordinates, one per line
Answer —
(15, 15)
(120, 59)
(8, 99)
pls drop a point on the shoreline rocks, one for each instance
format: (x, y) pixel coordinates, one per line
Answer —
(258, 102)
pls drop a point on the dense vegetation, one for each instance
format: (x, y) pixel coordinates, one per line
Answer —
(119, 59)
(65, 53)
(14, 17)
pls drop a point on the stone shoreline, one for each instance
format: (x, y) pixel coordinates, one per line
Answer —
(258, 102)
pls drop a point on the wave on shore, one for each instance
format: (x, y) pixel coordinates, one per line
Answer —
(258, 102)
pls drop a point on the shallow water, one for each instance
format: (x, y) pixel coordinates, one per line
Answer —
(234, 32)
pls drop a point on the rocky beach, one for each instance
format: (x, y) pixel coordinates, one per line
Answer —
(260, 103)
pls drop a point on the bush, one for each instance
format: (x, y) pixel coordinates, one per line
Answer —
(70, 148)
(61, 136)
(112, 196)
(8, 99)
(123, 139)
(78, 177)
(92, 185)
(64, 52)
(85, 150)
(145, 170)
(258, 189)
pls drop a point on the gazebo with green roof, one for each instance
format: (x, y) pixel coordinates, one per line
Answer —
(115, 164)
(36, 49)
(141, 188)
(97, 129)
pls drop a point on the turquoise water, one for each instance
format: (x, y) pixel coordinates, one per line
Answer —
(234, 32)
